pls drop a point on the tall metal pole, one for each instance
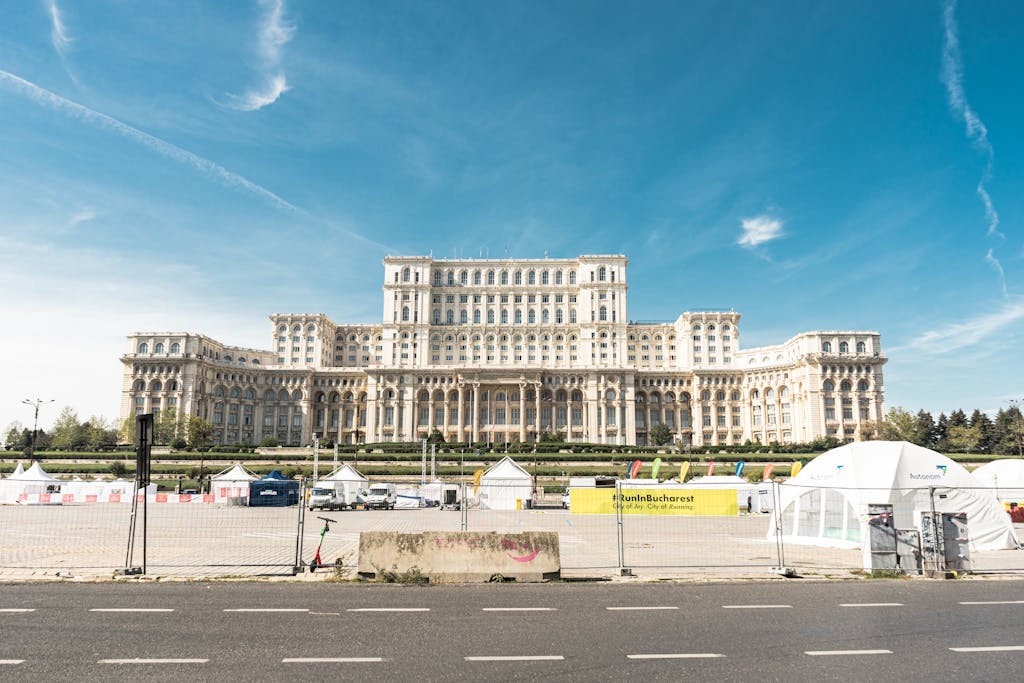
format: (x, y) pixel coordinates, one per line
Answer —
(316, 457)
(35, 424)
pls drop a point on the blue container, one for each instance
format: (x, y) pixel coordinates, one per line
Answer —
(273, 493)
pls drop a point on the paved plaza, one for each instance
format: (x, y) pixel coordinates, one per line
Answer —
(210, 540)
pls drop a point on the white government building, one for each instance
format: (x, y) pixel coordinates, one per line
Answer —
(500, 350)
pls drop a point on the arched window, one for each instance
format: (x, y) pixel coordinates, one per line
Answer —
(783, 392)
(572, 316)
(476, 277)
(490, 317)
(450, 318)
(829, 385)
(572, 277)
(463, 317)
(769, 394)
(558, 277)
(544, 316)
(826, 347)
(234, 392)
(156, 385)
(735, 396)
(405, 314)
(603, 313)
(844, 347)
(437, 317)
(219, 391)
(531, 316)
(519, 277)
(249, 395)
(705, 395)
(269, 395)
(719, 395)
(476, 317)
(558, 316)
(175, 347)
(755, 395)
(143, 347)
(845, 385)
(504, 316)
(862, 385)
(544, 277)
(463, 277)
(140, 386)
(405, 275)
(437, 278)
(159, 348)
(504, 277)
(519, 317)
(531, 278)
(451, 278)
(172, 385)
(490, 277)
(860, 347)
(601, 273)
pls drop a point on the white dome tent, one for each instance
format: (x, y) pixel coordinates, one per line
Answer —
(1005, 478)
(503, 484)
(232, 484)
(351, 479)
(826, 504)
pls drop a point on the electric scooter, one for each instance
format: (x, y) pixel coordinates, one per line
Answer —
(316, 561)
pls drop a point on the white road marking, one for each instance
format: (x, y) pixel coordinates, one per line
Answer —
(640, 608)
(871, 604)
(996, 648)
(757, 606)
(325, 614)
(678, 655)
(520, 609)
(517, 658)
(388, 609)
(132, 609)
(152, 661)
(268, 609)
(11, 661)
(331, 660)
(994, 602)
(16, 610)
(827, 653)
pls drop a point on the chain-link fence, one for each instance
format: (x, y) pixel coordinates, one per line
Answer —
(726, 531)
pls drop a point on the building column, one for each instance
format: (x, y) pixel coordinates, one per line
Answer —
(537, 400)
(522, 412)
(476, 412)
(462, 412)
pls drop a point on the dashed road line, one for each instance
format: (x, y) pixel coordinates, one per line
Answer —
(516, 658)
(871, 604)
(993, 602)
(678, 655)
(331, 660)
(267, 609)
(152, 661)
(388, 609)
(642, 608)
(132, 609)
(829, 653)
(992, 648)
(16, 610)
(12, 661)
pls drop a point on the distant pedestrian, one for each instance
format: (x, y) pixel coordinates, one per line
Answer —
(750, 504)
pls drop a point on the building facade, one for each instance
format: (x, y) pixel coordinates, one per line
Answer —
(488, 350)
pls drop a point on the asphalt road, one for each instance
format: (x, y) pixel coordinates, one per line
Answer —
(780, 630)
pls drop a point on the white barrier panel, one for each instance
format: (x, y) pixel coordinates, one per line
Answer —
(77, 499)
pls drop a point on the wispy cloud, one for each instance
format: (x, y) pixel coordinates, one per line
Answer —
(998, 267)
(58, 33)
(275, 32)
(957, 336)
(977, 133)
(758, 230)
(52, 100)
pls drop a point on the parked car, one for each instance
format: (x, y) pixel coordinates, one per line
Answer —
(380, 497)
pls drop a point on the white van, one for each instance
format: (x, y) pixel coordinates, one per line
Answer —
(330, 495)
(380, 497)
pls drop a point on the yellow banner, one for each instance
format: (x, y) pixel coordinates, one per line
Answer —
(654, 501)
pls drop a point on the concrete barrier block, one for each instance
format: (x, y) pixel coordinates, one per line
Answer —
(460, 556)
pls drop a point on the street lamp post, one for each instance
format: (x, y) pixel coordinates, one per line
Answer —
(35, 424)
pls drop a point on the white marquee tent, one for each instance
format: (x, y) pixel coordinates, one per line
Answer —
(231, 483)
(503, 484)
(352, 480)
(1004, 477)
(827, 502)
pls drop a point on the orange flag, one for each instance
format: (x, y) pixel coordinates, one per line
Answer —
(767, 475)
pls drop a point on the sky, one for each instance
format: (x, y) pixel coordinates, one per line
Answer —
(194, 166)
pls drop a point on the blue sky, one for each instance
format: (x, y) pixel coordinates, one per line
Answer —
(196, 166)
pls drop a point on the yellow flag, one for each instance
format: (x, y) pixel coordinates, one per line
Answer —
(476, 480)
(684, 469)
(795, 469)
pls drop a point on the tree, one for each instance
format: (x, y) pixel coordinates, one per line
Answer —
(660, 434)
(15, 437)
(436, 437)
(166, 427)
(99, 435)
(899, 425)
(68, 433)
(964, 438)
(128, 430)
(941, 432)
(197, 431)
(268, 442)
(924, 429)
(982, 421)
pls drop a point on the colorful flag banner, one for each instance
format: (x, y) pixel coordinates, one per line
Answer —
(655, 466)
(767, 474)
(739, 468)
(634, 469)
(684, 469)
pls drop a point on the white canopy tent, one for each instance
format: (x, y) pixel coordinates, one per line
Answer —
(503, 484)
(231, 483)
(1005, 478)
(827, 502)
(352, 480)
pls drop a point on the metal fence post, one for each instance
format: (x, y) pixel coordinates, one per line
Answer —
(780, 546)
(464, 508)
(620, 533)
(300, 528)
